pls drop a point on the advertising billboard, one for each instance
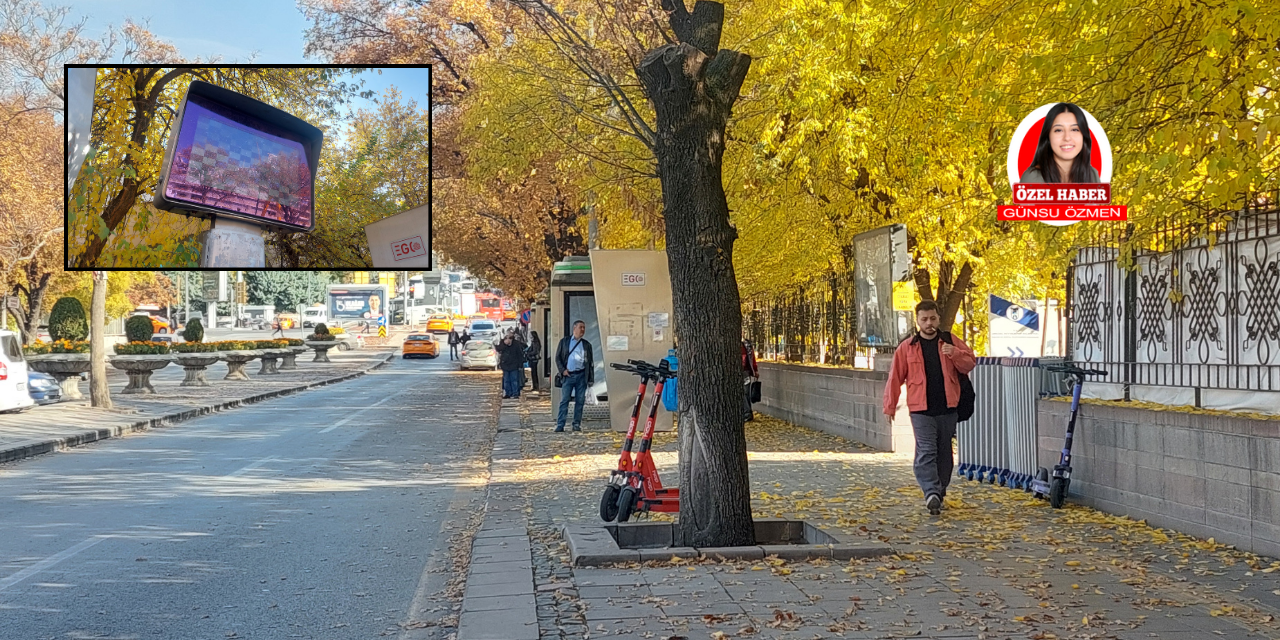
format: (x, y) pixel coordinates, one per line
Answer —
(881, 260)
(357, 302)
(231, 155)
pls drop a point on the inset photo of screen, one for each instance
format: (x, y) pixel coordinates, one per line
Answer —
(248, 167)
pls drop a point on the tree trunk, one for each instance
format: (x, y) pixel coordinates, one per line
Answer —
(693, 86)
(99, 392)
(951, 291)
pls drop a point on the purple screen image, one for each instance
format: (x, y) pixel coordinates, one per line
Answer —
(252, 170)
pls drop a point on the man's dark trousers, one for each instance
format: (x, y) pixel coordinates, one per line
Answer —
(934, 462)
(511, 383)
(575, 384)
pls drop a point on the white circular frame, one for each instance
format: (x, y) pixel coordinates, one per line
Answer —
(1015, 143)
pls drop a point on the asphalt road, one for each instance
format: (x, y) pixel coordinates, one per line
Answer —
(325, 514)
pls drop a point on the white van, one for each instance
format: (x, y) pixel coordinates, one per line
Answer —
(311, 316)
(14, 395)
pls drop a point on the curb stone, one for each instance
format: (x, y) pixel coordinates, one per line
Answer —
(32, 448)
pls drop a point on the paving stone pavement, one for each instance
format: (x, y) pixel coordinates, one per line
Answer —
(996, 564)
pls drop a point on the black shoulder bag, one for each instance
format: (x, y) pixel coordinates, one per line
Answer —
(967, 396)
(559, 379)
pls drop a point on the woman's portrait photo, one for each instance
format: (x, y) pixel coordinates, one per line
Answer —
(1064, 150)
(1059, 143)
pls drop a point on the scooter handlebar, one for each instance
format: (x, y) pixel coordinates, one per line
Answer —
(1074, 370)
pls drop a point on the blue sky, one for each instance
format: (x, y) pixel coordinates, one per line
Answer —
(233, 30)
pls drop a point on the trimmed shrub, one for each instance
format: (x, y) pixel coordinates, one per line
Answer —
(294, 342)
(138, 329)
(194, 331)
(67, 320)
(322, 337)
(321, 329)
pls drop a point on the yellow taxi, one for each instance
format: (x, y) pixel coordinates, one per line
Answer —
(439, 323)
(421, 344)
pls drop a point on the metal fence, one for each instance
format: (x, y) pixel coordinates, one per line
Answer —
(1200, 310)
(812, 323)
(998, 443)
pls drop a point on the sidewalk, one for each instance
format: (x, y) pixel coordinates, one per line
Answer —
(996, 564)
(53, 427)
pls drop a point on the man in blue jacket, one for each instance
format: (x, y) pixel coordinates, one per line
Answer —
(576, 367)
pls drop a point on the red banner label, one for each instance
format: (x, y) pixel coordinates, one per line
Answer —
(1062, 193)
(1062, 212)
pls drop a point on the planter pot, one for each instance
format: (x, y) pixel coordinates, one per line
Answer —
(269, 359)
(66, 368)
(322, 348)
(288, 362)
(194, 364)
(139, 368)
(235, 363)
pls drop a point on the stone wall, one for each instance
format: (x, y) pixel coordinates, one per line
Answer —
(843, 402)
(1204, 475)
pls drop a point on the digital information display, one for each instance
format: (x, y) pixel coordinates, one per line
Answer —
(224, 159)
(355, 304)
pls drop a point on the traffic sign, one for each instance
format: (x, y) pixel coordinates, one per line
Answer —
(526, 316)
(382, 331)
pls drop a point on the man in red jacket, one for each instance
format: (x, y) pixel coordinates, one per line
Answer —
(930, 363)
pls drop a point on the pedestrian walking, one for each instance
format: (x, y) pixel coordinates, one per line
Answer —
(930, 363)
(575, 373)
(751, 379)
(511, 361)
(453, 344)
(278, 327)
(533, 355)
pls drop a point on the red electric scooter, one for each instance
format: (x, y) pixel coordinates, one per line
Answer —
(642, 489)
(618, 477)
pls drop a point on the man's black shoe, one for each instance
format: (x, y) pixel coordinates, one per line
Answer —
(934, 504)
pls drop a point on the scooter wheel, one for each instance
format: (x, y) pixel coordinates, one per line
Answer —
(609, 503)
(1058, 492)
(626, 503)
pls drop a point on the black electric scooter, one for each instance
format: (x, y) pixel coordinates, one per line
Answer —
(1055, 487)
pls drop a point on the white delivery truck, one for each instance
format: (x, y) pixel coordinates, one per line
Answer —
(311, 316)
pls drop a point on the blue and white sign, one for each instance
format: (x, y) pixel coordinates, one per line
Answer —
(526, 316)
(1014, 329)
(1014, 312)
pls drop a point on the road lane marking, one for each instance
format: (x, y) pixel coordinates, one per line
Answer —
(357, 414)
(49, 562)
(250, 467)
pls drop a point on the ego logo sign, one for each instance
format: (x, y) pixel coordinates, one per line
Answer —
(408, 248)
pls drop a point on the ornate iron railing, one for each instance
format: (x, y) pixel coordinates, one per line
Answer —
(813, 323)
(1200, 309)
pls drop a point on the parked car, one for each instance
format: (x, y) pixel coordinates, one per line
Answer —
(420, 344)
(13, 374)
(44, 388)
(485, 330)
(439, 323)
(347, 341)
(478, 354)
